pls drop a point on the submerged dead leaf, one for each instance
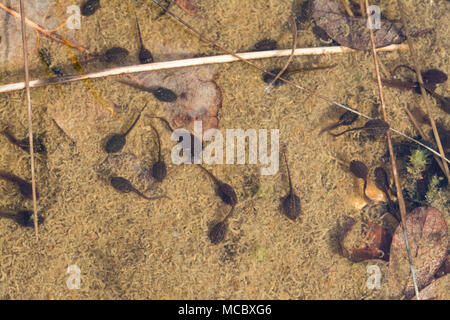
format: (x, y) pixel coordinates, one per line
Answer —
(428, 239)
(439, 289)
(365, 241)
(352, 32)
(199, 97)
(188, 6)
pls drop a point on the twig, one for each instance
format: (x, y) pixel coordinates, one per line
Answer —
(422, 88)
(347, 8)
(294, 44)
(398, 185)
(30, 122)
(54, 36)
(191, 63)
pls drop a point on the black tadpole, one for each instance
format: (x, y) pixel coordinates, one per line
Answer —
(159, 170)
(224, 190)
(375, 127)
(219, 230)
(24, 186)
(360, 170)
(24, 144)
(145, 56)
(124, 186)
(291, 203)
(346, 119)
(160, 93)
(24, 218)
(118, 141)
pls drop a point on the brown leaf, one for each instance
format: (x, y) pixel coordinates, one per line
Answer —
(363, 242)
(352, 32)
(428, 239)
(439, 289)
(188, 6)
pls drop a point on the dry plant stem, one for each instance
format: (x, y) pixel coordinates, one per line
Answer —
(422, 133)
(398, 185)
(191, 63)
(294, 44)
(347, 8)
(422, 88)
(46, 33)
(362, 8)
(30, 123)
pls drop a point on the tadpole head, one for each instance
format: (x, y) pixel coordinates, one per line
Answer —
(218, 232)
(159, 171)
(25, 218)
(145, 56)
(359, 169)
(164, 94)
(434, 76)
(89, 7)
(268, 78)
(115, 55)
(348, 117)
(227, 194)
(26, 189)
(376, 127)
(291, 206)
(381, 179)
(115, 143)
(121, 184)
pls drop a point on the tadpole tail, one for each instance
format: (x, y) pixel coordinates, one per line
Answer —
(229, 214)
(330, 127)
(136, 86)
(348, 130)
(159, 142)
(210, 174)
(163, 120)
(7, 215)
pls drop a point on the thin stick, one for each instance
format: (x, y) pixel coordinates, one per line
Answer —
(422, 88)
(362, 8)
(190, 63)
(398, 185)
(423, 134)
(52, 35)
(294, 44)
(347, 8)
(30, 122)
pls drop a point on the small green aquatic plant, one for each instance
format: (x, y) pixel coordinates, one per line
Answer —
(433, 188)
(260, 253)
(417, 163)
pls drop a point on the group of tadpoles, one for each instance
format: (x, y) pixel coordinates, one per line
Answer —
(290, 204)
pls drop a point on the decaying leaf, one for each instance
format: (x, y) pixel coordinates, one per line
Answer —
(352, 32)
(428, 239)
(189, 6)
(199, 97)
(439, 289)
(365, 241)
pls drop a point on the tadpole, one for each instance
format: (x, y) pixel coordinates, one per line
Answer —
(382, 183)
(160, 93)
(224, 190)
(375, 127)
(194, 140)
(265, 45)
(219, 230)
(291, 202)
(269, 77)
(145, 56)
(115, 55)
(24, 218)
(24, 144)
(25, 187)
(346, 119)
(90, 7)
(159, 170)
(124, 186)
(360, 170)
(117, 141)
